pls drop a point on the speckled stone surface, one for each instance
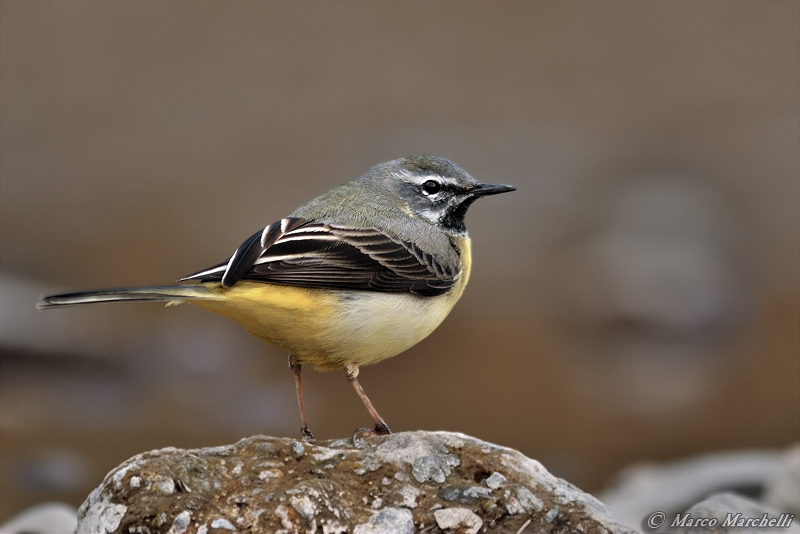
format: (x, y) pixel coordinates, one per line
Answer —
(403, 483)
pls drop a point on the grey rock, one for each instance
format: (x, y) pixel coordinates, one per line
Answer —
(222, 523)
(520, 501)
(642, 489)
(297, 449)
(180, 523)
(262, 485)
(368, 465)
(476, 493)
(464, 494)
(304, 506)
(45, 518)
(434, 467)
(461, 520)
(731, 512)
(388, 521)
(407, 447)
(551, 514)
(98, 515)
(782, 490)
(495, 480)
(408, 496)
(401, 476)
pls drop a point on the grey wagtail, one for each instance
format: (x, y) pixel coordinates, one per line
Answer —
(355, 276)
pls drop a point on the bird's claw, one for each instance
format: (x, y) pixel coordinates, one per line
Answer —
(306, 435)
(379, 430)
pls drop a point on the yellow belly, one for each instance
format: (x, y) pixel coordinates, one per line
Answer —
(332, 328)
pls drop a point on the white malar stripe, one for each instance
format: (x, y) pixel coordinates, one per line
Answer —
(431, 215)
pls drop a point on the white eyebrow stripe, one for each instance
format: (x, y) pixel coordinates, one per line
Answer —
(419, 180)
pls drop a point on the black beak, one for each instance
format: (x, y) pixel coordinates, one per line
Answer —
(482, 190)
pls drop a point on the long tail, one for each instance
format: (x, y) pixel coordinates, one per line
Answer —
(141, 294)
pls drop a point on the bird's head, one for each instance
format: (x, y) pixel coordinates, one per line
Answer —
(434, 189)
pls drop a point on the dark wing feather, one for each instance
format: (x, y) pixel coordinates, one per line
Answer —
(243, 259)
(301, 253)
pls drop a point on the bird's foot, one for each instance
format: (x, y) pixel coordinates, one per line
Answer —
(306, 435)
(379, 430)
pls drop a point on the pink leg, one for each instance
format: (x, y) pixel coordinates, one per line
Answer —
(304, 431)
(381, 428)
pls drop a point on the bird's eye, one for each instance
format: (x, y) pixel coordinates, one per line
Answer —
(431, 187)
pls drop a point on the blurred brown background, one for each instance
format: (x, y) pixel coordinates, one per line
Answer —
(635, 299)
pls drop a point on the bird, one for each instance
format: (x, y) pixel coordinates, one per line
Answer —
(355, 276)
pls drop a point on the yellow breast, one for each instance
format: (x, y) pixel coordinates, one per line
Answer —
(333, 328)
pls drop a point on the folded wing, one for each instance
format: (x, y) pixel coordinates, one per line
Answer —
(303, 253)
